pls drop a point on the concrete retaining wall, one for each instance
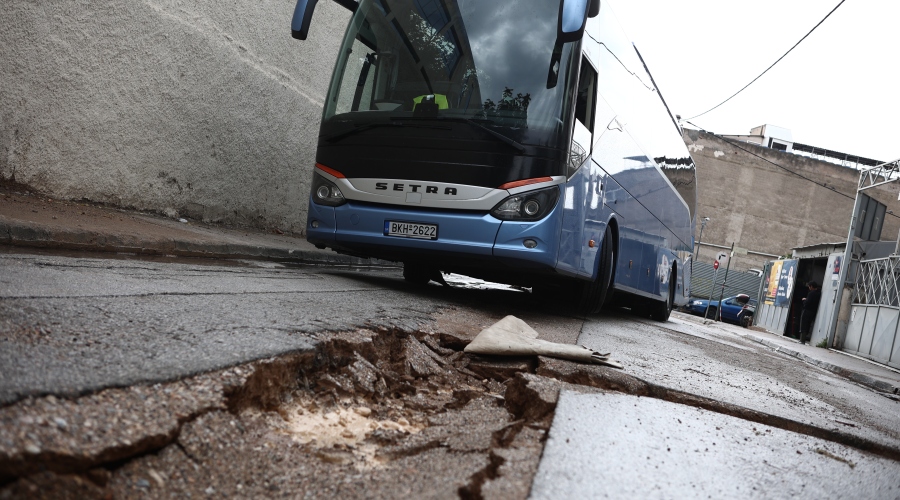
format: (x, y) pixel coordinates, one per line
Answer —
(205, 108)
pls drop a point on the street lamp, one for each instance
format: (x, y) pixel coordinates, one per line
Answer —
(703, 222)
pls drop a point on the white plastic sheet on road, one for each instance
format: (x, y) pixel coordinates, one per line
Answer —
(513, 337)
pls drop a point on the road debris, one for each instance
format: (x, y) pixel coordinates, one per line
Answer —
(513, 337)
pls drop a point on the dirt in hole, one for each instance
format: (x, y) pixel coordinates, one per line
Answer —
(369, 414)
(381, 404)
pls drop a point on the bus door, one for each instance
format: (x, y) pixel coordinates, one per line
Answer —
(583, 193)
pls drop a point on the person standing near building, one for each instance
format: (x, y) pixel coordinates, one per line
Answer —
(796, 311)
(810, 307)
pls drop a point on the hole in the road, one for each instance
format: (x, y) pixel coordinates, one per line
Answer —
(367, 399)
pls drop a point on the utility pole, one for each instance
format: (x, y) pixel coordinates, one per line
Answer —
(712, 289)
(722, 293)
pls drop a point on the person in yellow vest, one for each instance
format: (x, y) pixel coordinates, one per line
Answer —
(439, 99)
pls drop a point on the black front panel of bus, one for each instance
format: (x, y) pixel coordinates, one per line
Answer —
(453, 165)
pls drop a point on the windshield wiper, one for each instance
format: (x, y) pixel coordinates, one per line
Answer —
(359, 128)
(368, 126)
(506, 140)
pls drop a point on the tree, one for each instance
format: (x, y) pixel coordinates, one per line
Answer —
(510, 111)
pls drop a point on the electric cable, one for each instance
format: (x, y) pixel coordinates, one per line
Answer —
(773, 64)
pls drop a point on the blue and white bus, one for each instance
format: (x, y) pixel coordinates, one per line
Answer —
(520, 142)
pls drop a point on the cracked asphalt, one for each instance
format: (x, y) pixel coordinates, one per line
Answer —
(125, 377)
(73, 325)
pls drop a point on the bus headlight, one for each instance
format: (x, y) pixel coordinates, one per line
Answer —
(531, 206)
(325, 192)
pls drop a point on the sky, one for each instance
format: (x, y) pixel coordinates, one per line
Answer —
(839, 89)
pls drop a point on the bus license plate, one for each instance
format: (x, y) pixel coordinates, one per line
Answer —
(410, 230)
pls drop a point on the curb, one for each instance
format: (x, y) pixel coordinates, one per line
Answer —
(37, 236)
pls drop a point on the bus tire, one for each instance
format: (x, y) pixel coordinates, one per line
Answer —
(661, 309)
(594, 294)
(417, 274)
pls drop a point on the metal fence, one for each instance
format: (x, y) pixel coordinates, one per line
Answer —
(878, 282)
(738, 282)
(872, 331)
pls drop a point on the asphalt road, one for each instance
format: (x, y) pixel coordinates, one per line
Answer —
(73, 324)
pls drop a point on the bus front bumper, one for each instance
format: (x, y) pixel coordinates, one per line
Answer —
(463, 238)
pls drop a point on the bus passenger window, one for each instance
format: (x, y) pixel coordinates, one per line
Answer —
(587, 95)
(582, 135)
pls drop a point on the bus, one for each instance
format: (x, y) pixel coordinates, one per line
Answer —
(520, 142)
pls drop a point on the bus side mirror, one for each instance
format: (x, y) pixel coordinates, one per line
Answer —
(303, 12)
(302, 16)
(573, 16)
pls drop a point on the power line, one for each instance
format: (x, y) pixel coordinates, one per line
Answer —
(773, 64)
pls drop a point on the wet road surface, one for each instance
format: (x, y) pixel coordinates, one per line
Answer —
(623, 446)
(708, 362)
(73, 325)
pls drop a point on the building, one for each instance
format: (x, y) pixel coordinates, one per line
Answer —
(768, 201)
(768, 136)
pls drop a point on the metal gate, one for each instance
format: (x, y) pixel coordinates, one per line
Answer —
(738, 282)
(875, 311)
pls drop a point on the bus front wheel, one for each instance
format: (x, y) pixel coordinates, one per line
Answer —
(418, 274)
(594, 293)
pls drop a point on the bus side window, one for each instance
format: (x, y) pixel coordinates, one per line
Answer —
(585, 101)
(585, 104)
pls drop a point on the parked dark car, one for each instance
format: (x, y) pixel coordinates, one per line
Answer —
(730, 307)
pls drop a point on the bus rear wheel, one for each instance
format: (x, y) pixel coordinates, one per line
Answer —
(594, 294)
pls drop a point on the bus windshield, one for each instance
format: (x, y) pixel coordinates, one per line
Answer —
(484, 63)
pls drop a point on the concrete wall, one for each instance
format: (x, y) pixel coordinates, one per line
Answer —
(205, 108)
(764, 208)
